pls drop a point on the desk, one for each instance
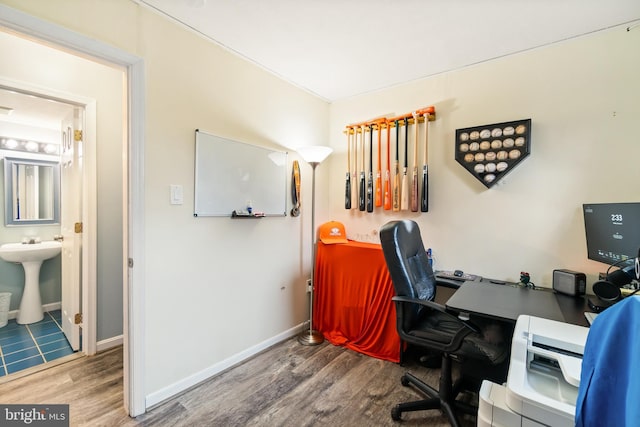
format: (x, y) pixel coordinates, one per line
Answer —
(352, 300)
(508, 301)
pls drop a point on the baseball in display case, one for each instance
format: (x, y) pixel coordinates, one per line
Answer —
(489, 152)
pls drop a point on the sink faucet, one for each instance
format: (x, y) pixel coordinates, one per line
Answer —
(30, 240)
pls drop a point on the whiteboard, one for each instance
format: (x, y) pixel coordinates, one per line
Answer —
(229, 175)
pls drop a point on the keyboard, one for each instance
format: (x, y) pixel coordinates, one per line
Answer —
(590, 316)
(449, 275)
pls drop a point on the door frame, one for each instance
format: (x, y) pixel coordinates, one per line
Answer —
(133, 213)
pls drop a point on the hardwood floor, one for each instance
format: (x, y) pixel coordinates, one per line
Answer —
(287, 385)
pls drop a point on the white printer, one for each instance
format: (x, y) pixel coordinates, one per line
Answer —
(543, 379)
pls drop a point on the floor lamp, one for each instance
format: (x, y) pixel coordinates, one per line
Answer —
(314, 155)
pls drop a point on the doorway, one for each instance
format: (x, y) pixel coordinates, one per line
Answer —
(54, 126)
(133, 279)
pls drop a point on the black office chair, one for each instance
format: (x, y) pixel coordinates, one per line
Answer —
(424, 323)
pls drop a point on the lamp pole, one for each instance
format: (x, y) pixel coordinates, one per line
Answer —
(314, 156)
(312, 337)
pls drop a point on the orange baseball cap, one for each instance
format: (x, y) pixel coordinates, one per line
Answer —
(332, 232)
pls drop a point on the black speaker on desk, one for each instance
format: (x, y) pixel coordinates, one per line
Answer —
(569, 282)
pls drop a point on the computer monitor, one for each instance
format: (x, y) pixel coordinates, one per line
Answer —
(612, 230)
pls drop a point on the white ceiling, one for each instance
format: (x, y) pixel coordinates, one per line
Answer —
(341, 48)
(30, 110)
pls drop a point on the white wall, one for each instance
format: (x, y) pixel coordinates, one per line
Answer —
(583, 97)
(215, 287)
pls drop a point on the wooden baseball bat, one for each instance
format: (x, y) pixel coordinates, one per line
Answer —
(404, 195)
(379, 172)
(370, 180)
(362, 199)
(387, 173)
(347, 190)
(414, 178)
(396, 176)
(424, 198)
(354, 176)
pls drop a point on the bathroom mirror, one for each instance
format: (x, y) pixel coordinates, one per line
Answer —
(31, 191)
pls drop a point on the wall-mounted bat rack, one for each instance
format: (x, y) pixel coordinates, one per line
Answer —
(384, 122)
(391, 192)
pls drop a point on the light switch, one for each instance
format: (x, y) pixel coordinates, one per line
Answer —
(176, 194)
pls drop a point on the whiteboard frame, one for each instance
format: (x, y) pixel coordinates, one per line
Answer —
(225, 174)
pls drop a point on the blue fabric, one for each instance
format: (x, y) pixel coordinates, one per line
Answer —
(609, 392)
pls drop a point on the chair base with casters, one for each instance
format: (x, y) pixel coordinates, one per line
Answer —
(444, 398)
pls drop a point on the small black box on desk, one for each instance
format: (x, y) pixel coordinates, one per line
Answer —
(569, 282)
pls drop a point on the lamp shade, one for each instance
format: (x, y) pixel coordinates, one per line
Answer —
(314, 153)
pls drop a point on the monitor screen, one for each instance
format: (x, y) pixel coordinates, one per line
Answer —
(613, 231)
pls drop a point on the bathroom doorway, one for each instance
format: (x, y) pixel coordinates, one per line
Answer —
(40, 113)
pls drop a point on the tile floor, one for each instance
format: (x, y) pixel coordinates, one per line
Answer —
(24, 346)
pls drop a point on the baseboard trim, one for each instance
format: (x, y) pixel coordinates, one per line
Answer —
(109, 343)
(46, 307)
(178, 387)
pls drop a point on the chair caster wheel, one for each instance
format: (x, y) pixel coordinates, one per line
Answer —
(396, 414)
(404, 381)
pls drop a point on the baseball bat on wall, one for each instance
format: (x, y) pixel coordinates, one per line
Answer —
(379, 172)
(370, 180)
(387, 172)
(347, 193)
(424, 199)
(414, 177)
(396, 175)
(404, 198)
(362, 190)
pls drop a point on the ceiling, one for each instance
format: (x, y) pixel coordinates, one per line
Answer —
(336, 49)
(30, 110)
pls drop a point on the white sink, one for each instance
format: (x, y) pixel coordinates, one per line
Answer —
(31, 257)
(21, 252)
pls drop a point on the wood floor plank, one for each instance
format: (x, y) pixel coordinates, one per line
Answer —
(286, 385)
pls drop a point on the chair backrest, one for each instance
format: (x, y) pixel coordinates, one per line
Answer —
(408, 263)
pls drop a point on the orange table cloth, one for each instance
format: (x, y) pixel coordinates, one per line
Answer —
(352, 300)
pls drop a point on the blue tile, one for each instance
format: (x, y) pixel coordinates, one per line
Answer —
(39, 330)
(56, 314)
(11, 326)
(21, 351)
(17, 346)
(24, 364)
(50, 338)
(22, 354)
(54, 345)
(52, 355)
(18, 336)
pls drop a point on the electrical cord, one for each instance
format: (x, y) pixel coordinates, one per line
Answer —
(615, 264)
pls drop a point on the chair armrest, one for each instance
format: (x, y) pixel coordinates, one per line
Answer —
(437, 307)
(448, 283)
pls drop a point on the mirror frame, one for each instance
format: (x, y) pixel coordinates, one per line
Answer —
(9, 162)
